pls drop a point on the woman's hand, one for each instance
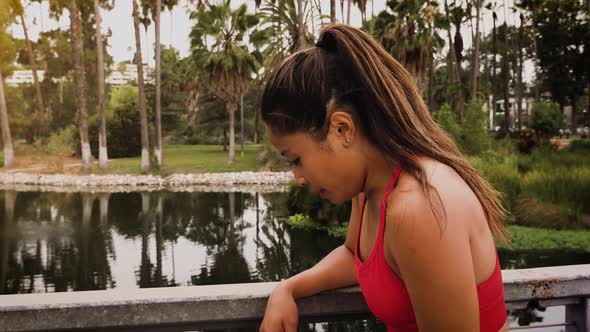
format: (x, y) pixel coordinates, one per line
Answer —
(281, 311)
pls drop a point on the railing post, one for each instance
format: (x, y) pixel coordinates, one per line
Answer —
(579, 315)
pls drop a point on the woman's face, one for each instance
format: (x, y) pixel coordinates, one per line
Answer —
(331, 169)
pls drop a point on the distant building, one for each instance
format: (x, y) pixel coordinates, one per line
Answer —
(119, 75)
(526, 105)
(127, 73)
(19, 77)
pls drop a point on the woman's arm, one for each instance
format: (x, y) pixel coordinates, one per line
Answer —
(333, 271)
(336, 270)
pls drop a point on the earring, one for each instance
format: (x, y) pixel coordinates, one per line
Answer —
(348, 141)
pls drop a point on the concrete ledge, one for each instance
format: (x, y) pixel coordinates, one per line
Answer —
(180, 308)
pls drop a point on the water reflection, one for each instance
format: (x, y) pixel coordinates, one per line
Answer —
(55, 242)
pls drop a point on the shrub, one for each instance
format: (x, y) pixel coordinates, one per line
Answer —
(448, 122)
(475, 137)
(546, 119)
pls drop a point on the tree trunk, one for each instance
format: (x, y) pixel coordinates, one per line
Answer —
(103, 158)
(145, 156)
(80, 81)
(348, 12)
(256, 126)
(431, 83)
(38, 95)
(535, 62)
(505, 70)
(333, 11)
(519, 89)
(6, 137)
(231, 108)
(300, 31)
(158, 126)
(454, 74)
(494, 81)
(574, 111)
(475, 68)
(242, 125)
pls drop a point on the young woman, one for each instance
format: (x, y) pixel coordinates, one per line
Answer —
(420, 240)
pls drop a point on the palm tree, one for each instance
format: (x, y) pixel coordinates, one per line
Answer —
(300, 28)
(80, 81)
(454, 74)
(169, 4)
(406, 32)
(18, 10)
(218, 46)
(103, 157)
(475, 69)
(6, 137)
(158, 120)
(333, 11)
(505, 70)
(7, 55)
(145, 155)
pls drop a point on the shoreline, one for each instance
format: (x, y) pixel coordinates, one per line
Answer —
(236, 181)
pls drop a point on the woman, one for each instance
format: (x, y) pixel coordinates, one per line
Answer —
(420, 240)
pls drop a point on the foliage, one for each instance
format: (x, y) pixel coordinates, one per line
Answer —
(300, 200)
(546, 119)
(470, 132)
(527, 238)
(407, 30)
(63, 142)
(447, 120)
(563, 52)
(475, 137)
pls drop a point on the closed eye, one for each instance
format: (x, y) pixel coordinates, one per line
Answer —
(295, 162)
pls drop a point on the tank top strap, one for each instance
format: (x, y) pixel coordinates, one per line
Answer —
(383, 208)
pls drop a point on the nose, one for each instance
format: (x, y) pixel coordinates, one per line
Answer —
(299, 178)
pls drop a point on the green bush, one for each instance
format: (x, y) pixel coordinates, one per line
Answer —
(63, 143)
(300, 200)
(566, 186)
(578, 146)
(533, 212)
(546, 119)
(501, 171)
(475, 137)
(448, 122)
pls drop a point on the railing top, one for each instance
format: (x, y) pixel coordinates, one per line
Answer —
(214, 304)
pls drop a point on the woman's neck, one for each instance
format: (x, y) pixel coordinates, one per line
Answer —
(378, 173)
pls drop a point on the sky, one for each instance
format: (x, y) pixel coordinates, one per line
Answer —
(122, 41)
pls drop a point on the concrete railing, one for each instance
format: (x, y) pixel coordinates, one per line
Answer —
(218, 306)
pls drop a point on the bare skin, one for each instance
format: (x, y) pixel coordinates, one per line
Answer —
(458, 250)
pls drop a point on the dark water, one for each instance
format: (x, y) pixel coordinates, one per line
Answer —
(57, 242)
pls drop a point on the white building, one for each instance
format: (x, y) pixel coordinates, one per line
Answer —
(526, 105)
(120, 75)
(24, 77)
(127, 73)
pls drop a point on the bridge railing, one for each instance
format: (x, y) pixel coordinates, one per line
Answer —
(242, 305)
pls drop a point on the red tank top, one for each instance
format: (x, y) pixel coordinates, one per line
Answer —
(387, 296)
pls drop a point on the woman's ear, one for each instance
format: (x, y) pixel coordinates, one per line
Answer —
(342, 125)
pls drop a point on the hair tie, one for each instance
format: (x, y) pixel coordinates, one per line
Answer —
(319, 43)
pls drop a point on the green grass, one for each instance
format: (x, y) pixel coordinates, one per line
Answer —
(191, 159)
(531, 238)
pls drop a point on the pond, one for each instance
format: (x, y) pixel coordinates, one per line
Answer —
(59, 242)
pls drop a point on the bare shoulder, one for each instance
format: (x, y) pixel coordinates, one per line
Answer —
(428, 238)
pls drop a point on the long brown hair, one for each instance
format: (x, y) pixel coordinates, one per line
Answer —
(349, 69)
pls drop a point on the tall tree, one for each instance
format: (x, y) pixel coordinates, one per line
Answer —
(103, 157)
(534, 7)
(218, 45)
(19, 10)
(455, 77)
(145, 155)
(80, 81)
(563, 51)
(300, 28)
(475, 66)
(406, 31)
(505, 76)
(333, 11)
(7, 55)
(158, 117)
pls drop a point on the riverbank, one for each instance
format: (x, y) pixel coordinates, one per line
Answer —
(232, 181)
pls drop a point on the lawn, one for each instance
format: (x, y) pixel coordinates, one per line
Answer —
(191, 159)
